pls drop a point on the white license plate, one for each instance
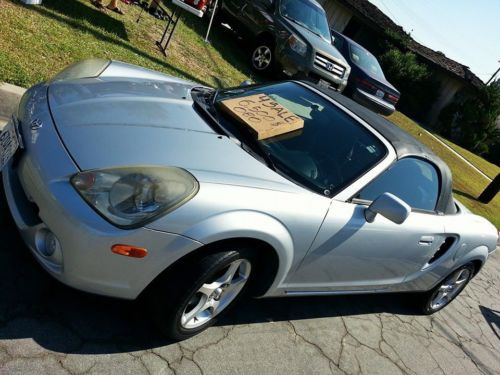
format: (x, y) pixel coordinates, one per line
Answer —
(379, 94)
(8, 143)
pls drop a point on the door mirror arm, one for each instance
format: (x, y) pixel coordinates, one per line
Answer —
(389, 206)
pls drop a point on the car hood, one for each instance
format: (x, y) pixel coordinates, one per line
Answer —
(113, 121)
(317, 42)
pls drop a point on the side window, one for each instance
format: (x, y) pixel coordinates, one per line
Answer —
(413, 180)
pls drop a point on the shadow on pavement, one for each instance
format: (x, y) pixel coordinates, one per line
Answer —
(61, 319)
(492, 317)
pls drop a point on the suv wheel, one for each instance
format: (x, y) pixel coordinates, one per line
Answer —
(263, 57)
(191, 300)
(447, 290)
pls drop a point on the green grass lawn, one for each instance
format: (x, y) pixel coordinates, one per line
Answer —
(38, 41)
(489, 169)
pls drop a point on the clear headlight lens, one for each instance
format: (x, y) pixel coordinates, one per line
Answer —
(130, 197)
(297, 45)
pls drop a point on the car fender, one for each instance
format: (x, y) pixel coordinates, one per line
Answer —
(248, 224)
(479, 253)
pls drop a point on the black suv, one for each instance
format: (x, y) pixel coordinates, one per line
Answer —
(291, 35)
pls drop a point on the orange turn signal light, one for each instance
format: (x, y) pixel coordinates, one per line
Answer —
(129, 251)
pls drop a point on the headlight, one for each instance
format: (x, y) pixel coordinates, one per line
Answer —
(130, 197)
(297, 45)
(83, 69)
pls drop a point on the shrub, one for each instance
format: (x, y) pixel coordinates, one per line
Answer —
(417, 85)
(471, 120)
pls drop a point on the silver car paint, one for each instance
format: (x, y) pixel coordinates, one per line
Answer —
(239, 197)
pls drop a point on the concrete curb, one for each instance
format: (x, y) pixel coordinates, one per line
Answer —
(9, 99)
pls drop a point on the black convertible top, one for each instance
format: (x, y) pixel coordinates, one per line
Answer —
(404, 144)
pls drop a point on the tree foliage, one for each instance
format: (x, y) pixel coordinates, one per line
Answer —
(413, 79)
(472, 119)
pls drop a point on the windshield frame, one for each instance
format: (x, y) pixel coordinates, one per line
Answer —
(342, 192)
(326, 37)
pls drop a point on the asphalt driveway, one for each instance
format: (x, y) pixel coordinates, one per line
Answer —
(47, 328)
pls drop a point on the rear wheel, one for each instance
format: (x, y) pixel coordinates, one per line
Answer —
(447, 290)
(191, 300)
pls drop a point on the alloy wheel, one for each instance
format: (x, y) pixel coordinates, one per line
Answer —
(261, 57)
(215, 295)
(450, 288)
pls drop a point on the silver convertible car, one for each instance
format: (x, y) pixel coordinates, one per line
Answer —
(129, 183)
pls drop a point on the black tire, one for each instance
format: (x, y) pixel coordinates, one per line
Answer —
(262, 56)
(428, 304)
(171, 299)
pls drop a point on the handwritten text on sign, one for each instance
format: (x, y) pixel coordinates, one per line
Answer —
(265, 117)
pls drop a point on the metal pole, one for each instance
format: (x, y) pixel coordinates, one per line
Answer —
(140, 14)
(211, 20)
(493, 76)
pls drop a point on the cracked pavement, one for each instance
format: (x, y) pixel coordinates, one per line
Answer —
(47, 328)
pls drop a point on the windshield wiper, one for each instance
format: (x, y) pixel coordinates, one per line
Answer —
(247, 140)
(253, 145)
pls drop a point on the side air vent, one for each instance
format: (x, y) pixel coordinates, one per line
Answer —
(445, 246)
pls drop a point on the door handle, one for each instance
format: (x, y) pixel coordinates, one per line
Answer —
(426, 240)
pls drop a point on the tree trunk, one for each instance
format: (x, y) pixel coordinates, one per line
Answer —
(491, 190)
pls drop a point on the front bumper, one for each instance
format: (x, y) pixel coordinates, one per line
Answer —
(372, 102)
(85, 239)
(295, 65)
(42, 200)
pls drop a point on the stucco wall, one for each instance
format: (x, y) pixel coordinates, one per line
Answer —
(338, 15)
(449, 87)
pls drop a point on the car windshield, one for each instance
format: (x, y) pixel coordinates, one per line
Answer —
(308, 15)
(330, 151)
(366, 61)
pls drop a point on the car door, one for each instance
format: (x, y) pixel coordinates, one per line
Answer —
(234, 6)
(351, 254)
(257, 15)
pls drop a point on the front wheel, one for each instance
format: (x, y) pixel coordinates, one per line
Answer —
(447, 290)
(263, 57)
(192, 299)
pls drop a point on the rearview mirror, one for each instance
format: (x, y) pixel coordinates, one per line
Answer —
(389, 206)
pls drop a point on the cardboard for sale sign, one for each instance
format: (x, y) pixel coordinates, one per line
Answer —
(264, 116)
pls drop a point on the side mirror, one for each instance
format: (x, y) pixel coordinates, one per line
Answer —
(389, 206)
